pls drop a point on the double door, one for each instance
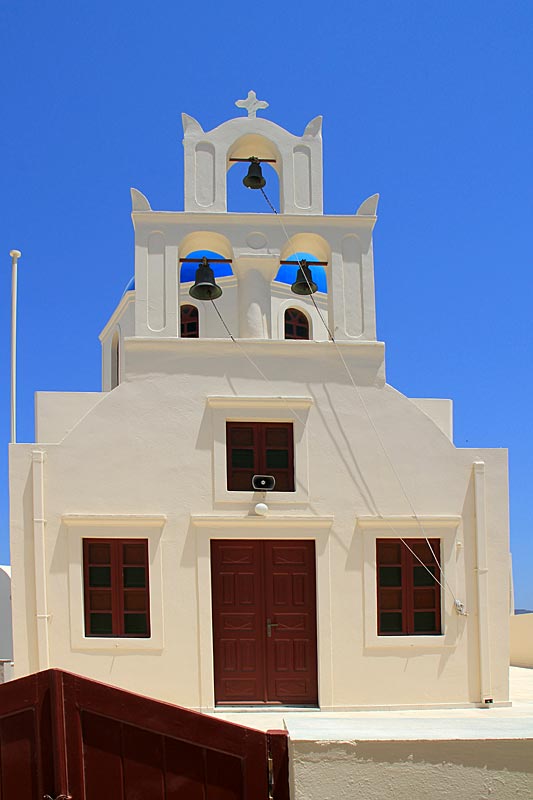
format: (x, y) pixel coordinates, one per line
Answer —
(264, 622)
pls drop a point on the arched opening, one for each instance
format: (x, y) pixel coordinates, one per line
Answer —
(296, 324)
(115, 361)
(287, 272)
(244, 200)
(190, 328)
(188, 268)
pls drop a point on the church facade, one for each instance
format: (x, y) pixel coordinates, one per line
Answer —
(248, 514)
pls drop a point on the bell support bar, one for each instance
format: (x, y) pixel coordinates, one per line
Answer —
(261, 160)
(210, 260)
(309, 263)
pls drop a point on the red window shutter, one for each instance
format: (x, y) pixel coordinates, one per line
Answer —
(190, 328)
(277, 453)
(241, 455)
(408, 596)
(116, 587)
(259, 448)
(296, 324)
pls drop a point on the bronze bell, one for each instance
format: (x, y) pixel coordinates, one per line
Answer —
(254, 177)
(304, 283)
(205, 287)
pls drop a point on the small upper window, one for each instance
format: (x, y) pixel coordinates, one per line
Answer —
(408, 593)
(260, 448)
(296, 324)
(189, 322)
(117, 601)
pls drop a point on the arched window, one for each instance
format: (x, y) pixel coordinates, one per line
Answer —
(296, 324)
(189, 322)
(287, 272)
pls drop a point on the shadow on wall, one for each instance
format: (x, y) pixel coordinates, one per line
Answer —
(522, 640)
(6, 637)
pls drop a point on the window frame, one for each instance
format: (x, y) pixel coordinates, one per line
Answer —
(290, 408)
(407, 563)
(80, 526)
(295, 310)
(259, 448)
(116, 589)
(194, 317)
(446, 527)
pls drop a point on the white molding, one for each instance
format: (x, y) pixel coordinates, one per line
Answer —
(157, 520)
(125, 300)
(406, 521)
(364, 348)
(286, 527)
(443, 527)
(262, 409)
(197, 219)
(271, 401)
(263, 523)
(103, 526)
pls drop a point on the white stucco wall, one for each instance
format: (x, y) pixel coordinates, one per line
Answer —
(522, 640)
(397, 770)
(146, 461)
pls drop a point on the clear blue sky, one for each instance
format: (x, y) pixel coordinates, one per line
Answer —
(427, 103)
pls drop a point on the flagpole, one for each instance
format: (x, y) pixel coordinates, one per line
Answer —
(15, 255)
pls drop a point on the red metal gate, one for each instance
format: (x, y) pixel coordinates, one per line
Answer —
(64, 735)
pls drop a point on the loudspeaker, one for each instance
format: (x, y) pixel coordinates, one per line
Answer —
(263, 483)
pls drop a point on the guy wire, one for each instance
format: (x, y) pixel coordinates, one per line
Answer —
(391, 464)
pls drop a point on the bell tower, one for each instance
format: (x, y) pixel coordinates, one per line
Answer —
(254, 302)
(210, 154)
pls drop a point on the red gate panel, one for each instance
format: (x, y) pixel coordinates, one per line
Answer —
(61, 734)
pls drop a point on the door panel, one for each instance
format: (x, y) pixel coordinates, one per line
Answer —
(238, 620)
(291, 604)
(264, 621)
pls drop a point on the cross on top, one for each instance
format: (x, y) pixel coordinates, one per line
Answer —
(251, 104)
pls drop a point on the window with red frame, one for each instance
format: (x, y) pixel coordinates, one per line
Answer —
(117, 601)
(190, 328)
(259, 448)
(408, 592)
(296, 324)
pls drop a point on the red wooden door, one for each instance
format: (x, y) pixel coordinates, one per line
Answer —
(264, 622)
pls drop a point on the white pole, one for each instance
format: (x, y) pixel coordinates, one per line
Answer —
(15, 255)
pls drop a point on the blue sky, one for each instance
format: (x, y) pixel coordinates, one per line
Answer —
(427, 103)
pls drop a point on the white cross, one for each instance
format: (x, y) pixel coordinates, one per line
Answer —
(251, 104)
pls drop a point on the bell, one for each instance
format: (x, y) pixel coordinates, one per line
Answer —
(205, 287)
(254, 178)
(304, 283)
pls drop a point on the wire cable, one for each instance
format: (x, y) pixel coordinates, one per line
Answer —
(367, 412)
(252, 362)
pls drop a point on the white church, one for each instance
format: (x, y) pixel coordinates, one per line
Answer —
(247, 514)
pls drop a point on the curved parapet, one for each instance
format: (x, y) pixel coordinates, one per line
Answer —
(368, 207)
(138, 201)
(314, 128)
(190, 125)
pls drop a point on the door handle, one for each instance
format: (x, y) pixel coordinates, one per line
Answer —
(271, 625)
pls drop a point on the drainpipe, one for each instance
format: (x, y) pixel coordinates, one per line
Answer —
(482, 573)
(39, 523)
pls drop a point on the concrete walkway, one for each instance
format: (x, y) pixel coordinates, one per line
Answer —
(513, 722)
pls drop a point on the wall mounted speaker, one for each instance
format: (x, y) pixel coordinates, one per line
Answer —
(263, 483)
